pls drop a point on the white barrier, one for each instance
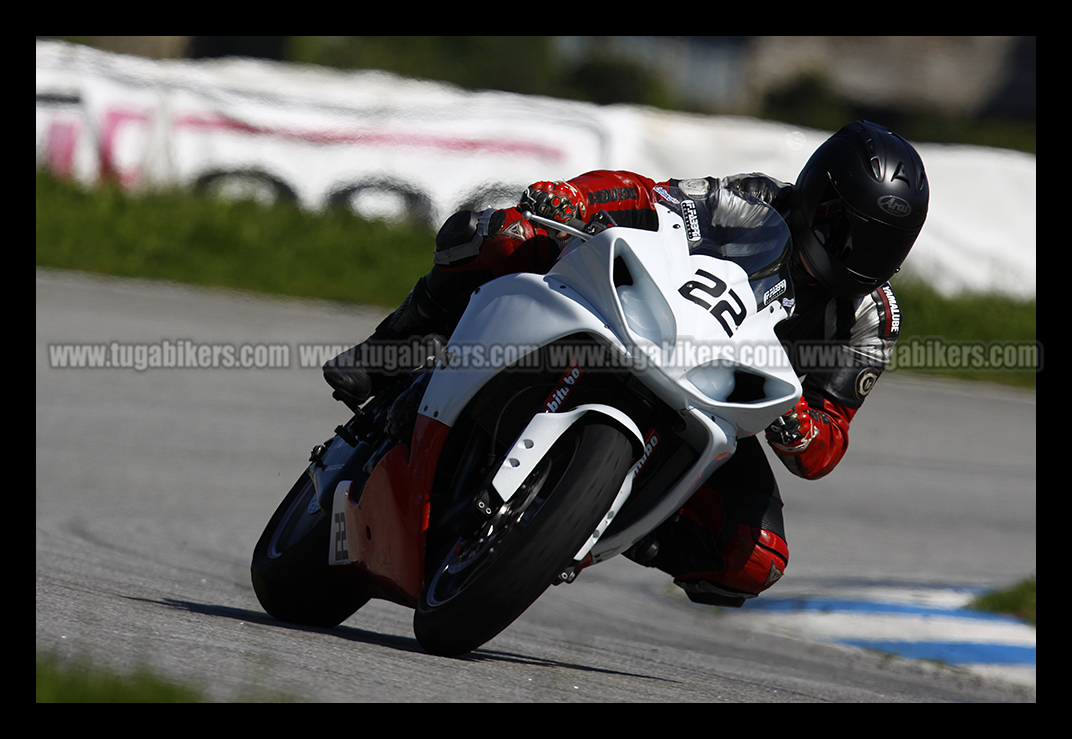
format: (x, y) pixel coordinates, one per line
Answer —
(386, 145)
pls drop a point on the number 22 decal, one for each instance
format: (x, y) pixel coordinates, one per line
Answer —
(715, 289)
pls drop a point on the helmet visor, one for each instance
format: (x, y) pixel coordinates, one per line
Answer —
(871, 251)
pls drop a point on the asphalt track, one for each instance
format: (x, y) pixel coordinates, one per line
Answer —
(152, 487)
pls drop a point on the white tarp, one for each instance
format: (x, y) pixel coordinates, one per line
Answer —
(383, 144)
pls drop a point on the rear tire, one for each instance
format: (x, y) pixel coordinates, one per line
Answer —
(290, 570)
(482, 583)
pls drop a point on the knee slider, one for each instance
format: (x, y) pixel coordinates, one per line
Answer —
(755, 560)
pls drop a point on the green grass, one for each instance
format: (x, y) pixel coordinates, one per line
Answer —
(1018, 601)
(78, 682)
(179, 236)
(973, 316)
(979, 321)
(82, 681)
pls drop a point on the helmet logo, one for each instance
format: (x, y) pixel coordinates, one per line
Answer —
(894, 205)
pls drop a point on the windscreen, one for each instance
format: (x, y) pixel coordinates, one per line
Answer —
(742, 229)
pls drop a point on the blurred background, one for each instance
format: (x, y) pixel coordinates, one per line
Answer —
(956, 89)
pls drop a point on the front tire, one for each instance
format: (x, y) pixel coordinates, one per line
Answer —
(482, 583)
(290, 570)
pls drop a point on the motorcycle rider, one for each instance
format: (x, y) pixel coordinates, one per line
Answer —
(854, 213)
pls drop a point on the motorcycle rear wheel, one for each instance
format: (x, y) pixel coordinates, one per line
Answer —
(290, 571)
(482, 583)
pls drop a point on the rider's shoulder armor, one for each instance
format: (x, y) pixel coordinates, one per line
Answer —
(771, 191)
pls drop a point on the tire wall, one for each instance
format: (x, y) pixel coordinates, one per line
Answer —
(390, 147)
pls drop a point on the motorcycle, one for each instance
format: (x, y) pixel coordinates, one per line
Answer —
(569, 415)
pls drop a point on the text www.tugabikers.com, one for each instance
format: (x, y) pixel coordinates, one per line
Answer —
(168, 354)
(927, 353)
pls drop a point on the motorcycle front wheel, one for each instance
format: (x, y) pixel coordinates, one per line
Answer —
(290, 571)
(481, 584)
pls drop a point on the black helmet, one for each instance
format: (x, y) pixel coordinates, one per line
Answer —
(859, 204)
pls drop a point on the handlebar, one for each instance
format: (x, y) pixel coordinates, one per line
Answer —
(571, 228)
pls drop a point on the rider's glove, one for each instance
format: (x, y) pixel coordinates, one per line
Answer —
(792, 432)
(559, 201)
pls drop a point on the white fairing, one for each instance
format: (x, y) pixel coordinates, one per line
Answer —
(539, 436)
(687, 326)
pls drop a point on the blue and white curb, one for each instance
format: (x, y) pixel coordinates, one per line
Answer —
(912, 622)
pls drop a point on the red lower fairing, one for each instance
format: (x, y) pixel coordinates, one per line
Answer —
(386, 527)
